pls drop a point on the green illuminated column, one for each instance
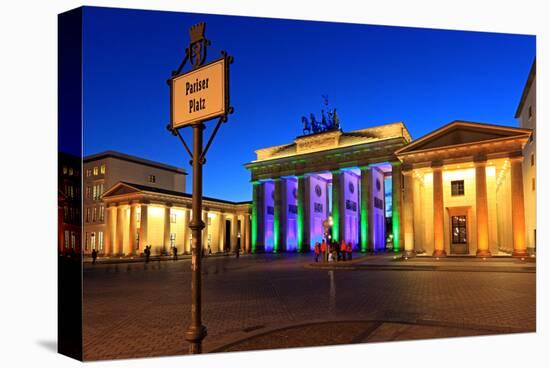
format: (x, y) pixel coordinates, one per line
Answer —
(257, 233)
(277, 216)
(396, 207)
(336, 218)
(366, 213)
(301, 213)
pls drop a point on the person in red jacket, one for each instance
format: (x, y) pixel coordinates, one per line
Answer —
(323, 249)
(343, 249)
(350, 250)
(317, 250)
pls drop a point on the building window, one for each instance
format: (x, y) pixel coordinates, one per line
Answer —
(100, 240)
(86, 241)
(64, 170)
(533, 184)
(88, 172)
(73, 239)
(87, 214)
(88, 192)
(457, 187)
(172, 240)
(101, 213)
(172, 218)
(532, 159)
(138, 215)
(66, 239)
(102, 169)
(152, 179)
(70, 171)
(94, 214)
(92, 240)
(459, 229)
(96, 170)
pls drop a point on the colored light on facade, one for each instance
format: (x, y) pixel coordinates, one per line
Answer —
(276, 230)
(254, 220)
(395, 228)
(364, 228)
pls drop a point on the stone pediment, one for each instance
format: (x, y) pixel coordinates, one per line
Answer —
(120, 188)
(463, 133)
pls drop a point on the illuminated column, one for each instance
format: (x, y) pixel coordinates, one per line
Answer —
(205, 231)
(143, 227)
(166, 231)
(396, 207)
(110, 230)
(439, 244)
(301, 217)
(221, 227)
(186, 231)
(133, 226)
(336, 218)
(119, 230)
(277, 224)
(257, 217)
(234, 229)
(518, 210)
(482, 215)
(366, 213)
(408, 207)
(244, 235)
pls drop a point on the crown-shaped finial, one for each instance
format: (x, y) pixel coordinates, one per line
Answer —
(196, 32)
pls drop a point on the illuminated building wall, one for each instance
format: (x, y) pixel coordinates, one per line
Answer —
(269, 211)
(350, 195)
(318, 209)
(291, 208)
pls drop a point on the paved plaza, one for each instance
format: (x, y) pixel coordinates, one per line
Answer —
(275, 301)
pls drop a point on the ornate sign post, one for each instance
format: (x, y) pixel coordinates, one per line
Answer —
(196, 96)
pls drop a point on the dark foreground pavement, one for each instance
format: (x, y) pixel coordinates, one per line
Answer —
(272, 301)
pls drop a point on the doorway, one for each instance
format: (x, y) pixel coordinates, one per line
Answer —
(459, 234)
(227, 240)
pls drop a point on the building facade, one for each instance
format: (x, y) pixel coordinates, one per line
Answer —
(351, 178)
(69, 197)
(140, 215)
(102, 171)
(457, 190)
(526, 114)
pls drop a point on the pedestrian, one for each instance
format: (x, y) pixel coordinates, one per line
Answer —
(147, 252)
(338, 250)
(330, 253)
(316, 250)
(175, 252)
(350, 250)
(343, 249)
(209, 250)
(324, 250)
(94, 256)
(237, 251)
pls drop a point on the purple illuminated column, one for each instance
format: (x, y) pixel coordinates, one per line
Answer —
(283, 214)
(258, 227)
(366, 219)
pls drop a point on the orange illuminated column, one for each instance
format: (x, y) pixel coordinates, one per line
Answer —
(166, 232)
(109, 232)
(518, 211)
(439, 245)
(482, 215)
(143, 228)
(408, 203)
(133, 226)
(234, 229)
(119, 249)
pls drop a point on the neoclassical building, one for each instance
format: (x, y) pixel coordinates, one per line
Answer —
(457, 190)
(138, 215)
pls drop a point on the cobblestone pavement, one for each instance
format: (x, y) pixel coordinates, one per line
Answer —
(142, 310)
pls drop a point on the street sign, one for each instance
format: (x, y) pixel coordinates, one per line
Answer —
(200, 94)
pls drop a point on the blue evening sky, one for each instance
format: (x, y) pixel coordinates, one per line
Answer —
(372, 74)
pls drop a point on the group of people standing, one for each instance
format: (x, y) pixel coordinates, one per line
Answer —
(333, 251)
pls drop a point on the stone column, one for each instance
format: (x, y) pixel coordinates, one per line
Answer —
(234, 229)
(110, 230)
(397, 219)
(366, 219)
(186, 231)
(133, 226)
(221, 230)
(119, 231)
(258, 236)
(408, 216)
(166, 231)
(143, 228)
(301, 216)
(482, 214)
(245, 234)
(278, 226)
(518, 209)
(205, 231)
(337, 218)
(439, 239)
